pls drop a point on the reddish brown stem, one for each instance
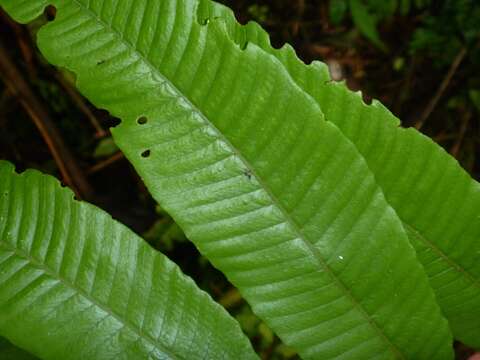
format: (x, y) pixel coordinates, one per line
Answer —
(443, 86)
(81, 105)
(105, 163)
(461, 135)
(18, 86)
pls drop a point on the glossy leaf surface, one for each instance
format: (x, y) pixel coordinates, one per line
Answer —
(75, 284)
(275, 196)
(435, 198)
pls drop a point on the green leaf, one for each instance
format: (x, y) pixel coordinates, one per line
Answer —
(475, 98)
(275, 196)
(259, 13)
(74, 284)
(8, 351)
(366, 22)
(337, 11)
(448, 256)
(164, 234)
(105, 147)
(435, 198)
(405, 6)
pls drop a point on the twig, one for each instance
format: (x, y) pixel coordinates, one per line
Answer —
(103, 164)
(71, 172)
(443, 86)
(461, 135)
(443, 136)
(24, 43)
(80, 103)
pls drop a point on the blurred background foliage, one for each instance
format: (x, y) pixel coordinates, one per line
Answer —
(421, 58)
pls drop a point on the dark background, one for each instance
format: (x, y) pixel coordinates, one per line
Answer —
(421, 58)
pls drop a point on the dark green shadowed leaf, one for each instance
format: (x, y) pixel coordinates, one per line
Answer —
(75, 284)
(337, 10)
(8, 351)
(365, 22)
(276, 197)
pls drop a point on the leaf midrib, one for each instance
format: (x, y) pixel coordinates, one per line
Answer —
(454, 264)
(442, 255)
(315, 252)
(51, 273)
(429, 243)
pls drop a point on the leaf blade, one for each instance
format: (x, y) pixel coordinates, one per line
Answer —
(8, 351)
(194, 164)
(56, 276)
(374, 131)
(366, 22)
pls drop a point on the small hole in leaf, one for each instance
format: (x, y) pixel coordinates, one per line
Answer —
(146, 154)
(50, 12)
(142, 121)
(248, 173)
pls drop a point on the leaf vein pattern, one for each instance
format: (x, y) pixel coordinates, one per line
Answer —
(294, 225)
(37, 264)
